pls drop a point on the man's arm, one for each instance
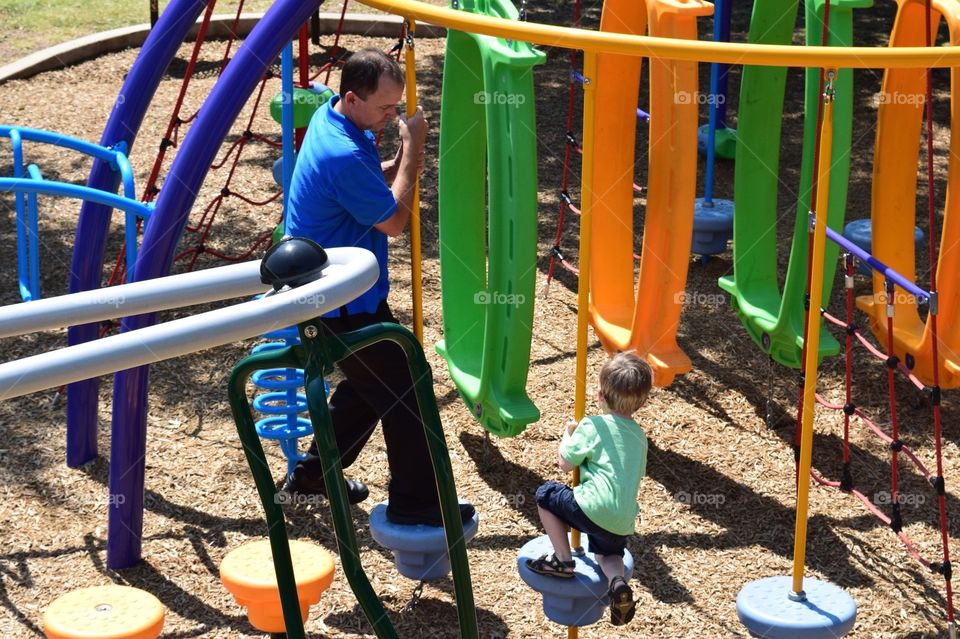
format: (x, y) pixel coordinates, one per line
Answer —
(391, 166)
(413, 135)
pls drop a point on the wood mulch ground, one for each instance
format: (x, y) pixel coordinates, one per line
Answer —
(717, 505)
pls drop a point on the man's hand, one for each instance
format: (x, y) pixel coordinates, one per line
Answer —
(413, 131)
(409, 163)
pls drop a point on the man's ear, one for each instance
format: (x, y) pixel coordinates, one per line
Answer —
(350, 98)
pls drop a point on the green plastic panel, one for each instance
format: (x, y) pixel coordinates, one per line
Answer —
(488, 221)
(773, 319)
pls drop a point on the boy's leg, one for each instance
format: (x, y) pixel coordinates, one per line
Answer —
(556, 530)
(608, 550)
(611, 565)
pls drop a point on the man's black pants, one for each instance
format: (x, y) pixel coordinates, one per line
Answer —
(377, 387)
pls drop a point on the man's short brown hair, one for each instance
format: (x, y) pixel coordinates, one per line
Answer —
(362, 72)
(625, 381)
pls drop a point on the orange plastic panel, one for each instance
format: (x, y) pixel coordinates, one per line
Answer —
(646, 320)
(894, 211)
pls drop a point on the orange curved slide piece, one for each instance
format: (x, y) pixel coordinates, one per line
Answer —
(894, 211)
(643, 316)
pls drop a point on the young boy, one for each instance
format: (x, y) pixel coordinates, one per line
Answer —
(611, 451)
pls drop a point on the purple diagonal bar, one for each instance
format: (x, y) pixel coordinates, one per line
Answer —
(865, 257)
(94, 221)
(189, 168)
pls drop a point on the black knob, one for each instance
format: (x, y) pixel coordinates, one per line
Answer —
(293, 261)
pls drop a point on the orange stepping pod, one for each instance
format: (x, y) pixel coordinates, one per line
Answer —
(644, 315)
(248, 573)
(104, 612)
(894, 212)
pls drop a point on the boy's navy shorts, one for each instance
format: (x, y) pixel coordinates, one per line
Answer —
(558, 499)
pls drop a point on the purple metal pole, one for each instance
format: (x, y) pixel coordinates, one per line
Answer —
(94, 221)
(187, 173)
(877, 265)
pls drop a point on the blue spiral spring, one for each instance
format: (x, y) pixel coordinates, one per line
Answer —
(284, 404)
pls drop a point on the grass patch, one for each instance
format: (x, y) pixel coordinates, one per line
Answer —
(27, 26)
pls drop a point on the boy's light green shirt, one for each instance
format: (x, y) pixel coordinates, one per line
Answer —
(611, 452)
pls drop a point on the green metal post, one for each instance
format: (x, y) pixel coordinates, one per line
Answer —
(316, 356)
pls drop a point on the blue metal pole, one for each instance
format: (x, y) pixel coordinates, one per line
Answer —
(721, 33)
(286, 123)
(718, 94)
(186, 176)
(20, 198)
(94, 220)
(33, 235)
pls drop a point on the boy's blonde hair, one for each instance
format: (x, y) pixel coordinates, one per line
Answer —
(625, 382)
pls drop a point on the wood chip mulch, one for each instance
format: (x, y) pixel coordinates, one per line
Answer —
(717, 505)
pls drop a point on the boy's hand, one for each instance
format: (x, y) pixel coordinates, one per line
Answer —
(571, 426)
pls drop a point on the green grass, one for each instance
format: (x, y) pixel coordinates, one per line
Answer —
(27, 26)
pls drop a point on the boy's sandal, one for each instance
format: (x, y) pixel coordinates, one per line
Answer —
(550, 566)
(622, 605)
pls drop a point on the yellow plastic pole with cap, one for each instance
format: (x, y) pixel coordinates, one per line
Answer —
(583, 280)
(813, 337)
(416, 276)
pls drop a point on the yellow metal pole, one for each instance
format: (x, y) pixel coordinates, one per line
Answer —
(672, 48)
(583, 281)
(416, 276)
(813, 336)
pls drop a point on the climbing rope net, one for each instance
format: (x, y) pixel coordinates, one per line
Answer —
(199, 230)
(925, 298)
(900, 451)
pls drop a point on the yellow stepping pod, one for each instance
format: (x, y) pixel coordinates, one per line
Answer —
(249, 574)
(104, 612)
(646, 320)
(893, 215)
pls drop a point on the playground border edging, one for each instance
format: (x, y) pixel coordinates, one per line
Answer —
(91, 46)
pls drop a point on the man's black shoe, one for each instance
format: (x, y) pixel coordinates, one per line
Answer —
(295, 492)
(427, 516)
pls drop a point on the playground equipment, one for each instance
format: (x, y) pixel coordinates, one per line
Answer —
(809, 608)
(104, 612)
(346, 272)
(893, 214)
(860, 233)
(775, 319)
(350, 271)
(713, 218)
(419, 552)
(715, 138)
(172, 206)
(283, 404)
(28, 187)
(570, 602)
(250, 575)
(317, 355)
(488, 220)
(645, 321)
(907, 59)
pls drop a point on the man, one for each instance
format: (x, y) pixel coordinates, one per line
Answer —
(342, 195)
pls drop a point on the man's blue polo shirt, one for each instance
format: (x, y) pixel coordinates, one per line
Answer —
(338, 193)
